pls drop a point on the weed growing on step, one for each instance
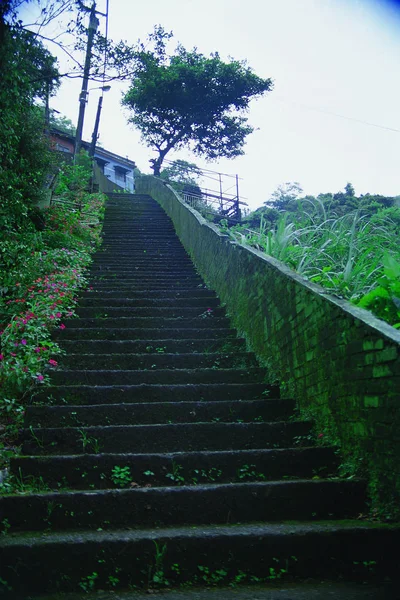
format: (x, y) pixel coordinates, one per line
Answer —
(368, 566)
(156, 572)
(176, 475)
(304, 440)
(89, 444)
(149, 473)
(249, 472)
(4, 585)
(5, 527)
(121, 476)
(17, 484)
(211, 577)
(210, 475)
(88, 583)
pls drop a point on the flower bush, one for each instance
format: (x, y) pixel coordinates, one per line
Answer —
(41, 273)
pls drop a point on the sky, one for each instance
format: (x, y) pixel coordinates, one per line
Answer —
(333, 116)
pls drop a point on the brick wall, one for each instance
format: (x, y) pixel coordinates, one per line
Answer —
(342, 363)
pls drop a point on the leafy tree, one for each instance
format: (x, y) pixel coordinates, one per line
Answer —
(284, 195)
(71, 38)
(183, 176)
(29, 72)
(190, 100)
(62, 123)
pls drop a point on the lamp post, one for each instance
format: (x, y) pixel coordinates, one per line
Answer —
(95, 134)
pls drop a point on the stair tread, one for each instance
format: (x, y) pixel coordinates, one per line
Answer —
(292, 528)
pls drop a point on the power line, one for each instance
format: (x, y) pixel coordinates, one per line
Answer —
(330, 112)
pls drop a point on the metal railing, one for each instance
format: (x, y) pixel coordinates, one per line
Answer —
(219, 202)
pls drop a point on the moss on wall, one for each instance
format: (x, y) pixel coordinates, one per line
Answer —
(342, 363)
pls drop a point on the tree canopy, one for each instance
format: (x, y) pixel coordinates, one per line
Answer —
(183, 176)
(190, 100)
(29, 72)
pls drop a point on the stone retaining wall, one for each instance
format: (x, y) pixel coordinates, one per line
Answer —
(342, 363)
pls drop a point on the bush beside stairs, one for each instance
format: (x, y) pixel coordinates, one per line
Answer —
(161, 455)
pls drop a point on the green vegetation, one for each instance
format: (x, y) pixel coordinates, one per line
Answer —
(29, 73)
(43, 251)
(121, 476)
(164, 100)
(348, 245)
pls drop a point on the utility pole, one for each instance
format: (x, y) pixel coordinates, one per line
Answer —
(95, 134)
(93, 24)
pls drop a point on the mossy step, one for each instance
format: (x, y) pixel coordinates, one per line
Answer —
(143, 346)
(227, 411)
(113, 376)
(159, 360)
(177, 312)
(94, 394)
(198, 321)
(86, 471)
(141, 261)
(149, 288)
(157, 276)
(147, 333)
(133, 267)
(163, 438)
(136, 301)
(162, 295)
(201, 504)
(242, 589)
(141, 254)
(61, 561)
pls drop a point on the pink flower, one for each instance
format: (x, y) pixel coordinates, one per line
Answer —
(37, 349)
(23, 342)
(58, 315)
(13, 354)
(53, 362)
(321, 435)
(40, 377)
(62, 326)
(1, 356)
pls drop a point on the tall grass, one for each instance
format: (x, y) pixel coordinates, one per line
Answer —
(350, 256)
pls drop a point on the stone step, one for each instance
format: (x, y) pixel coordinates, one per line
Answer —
(135, 333)
(139, 287)
(198, 555)
(159, 346)
(89, 471)
(163, 296)
(109, 262)
(201, 504)
(226, 411)
(159, 360)
(108, 394)
(136, 280)
(174, 301)
(199, 321)
(155, 376)
(140, 254)
(153, 311)
(133, 276)
(163, 438)
(133, 265)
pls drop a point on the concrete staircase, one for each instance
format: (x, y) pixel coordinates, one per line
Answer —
(160, 456)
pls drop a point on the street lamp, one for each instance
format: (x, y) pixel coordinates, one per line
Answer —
(105, 88)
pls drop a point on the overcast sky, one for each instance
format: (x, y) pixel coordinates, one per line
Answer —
(326, 57)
